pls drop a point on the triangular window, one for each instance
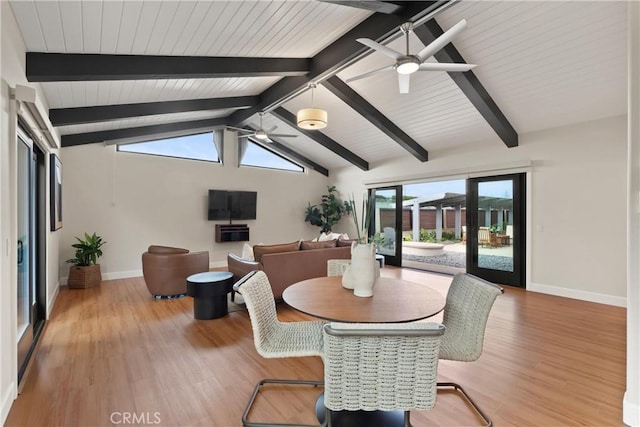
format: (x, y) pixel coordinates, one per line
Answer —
(195, 147)
(261, 157)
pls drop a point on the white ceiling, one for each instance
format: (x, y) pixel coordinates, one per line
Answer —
(546, 64)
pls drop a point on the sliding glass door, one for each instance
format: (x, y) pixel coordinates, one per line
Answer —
(30, 248)
(495, 223)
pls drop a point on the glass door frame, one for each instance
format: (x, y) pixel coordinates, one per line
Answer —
(396, 258)
(517, 276)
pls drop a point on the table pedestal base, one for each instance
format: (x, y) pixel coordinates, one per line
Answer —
(360, 418)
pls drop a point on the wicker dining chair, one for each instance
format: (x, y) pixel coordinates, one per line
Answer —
(469, 301)
(380, 366)
(275, 339)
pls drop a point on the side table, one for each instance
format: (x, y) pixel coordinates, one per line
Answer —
(209, 291)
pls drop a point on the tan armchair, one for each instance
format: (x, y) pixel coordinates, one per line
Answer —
(165, 269)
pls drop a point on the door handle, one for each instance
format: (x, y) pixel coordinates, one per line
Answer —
(20, 251)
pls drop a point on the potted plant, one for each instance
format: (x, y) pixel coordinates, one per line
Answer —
(85, 272)
(326, 214)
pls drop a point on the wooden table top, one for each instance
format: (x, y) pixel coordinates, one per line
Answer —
(393, 301)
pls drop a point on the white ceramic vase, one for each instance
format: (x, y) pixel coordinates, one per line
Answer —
(347, 277)
(362, 272)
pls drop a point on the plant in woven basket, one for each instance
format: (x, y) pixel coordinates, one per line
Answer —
(85, 271)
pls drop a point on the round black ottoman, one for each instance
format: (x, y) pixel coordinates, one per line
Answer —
(209, 291)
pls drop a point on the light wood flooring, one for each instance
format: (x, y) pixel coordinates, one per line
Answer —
(112, 355)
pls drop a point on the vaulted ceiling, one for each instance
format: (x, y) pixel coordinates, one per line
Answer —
(133, 70)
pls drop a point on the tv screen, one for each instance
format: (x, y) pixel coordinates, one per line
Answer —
(242, 204)
(228, 205)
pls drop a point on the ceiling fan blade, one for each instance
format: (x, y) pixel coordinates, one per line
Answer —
(239, 129)
(362, 76)
(373, 6)
(380, 48)
(282, 135)
(403, 82)
(442, 66)
(441, 41)
(272, 129)
(268, 140)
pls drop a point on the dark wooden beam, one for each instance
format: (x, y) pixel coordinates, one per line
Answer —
(110, 135)
(338, 54)
(66, 67)
(470, 85)
(379, 120)
(101, 113)
(372, 5)
(322, 139)
(283, 149)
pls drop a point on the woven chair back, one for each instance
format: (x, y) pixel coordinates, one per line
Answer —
(466, 312)
(381, 366)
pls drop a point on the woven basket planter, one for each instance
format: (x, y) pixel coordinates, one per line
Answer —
(84, 277)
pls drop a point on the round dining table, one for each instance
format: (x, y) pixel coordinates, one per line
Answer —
(393, 301)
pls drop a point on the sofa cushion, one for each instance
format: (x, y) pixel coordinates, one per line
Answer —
(154, 249)
(259, 250)
(342, 243)
(304, 245)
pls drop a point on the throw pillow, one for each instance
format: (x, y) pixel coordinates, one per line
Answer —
(247, 252)
(304, 245)
(325, 236)
(345, 242)
(260, 250)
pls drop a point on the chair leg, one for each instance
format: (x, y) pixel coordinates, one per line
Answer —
(458, 388)
(254, 395)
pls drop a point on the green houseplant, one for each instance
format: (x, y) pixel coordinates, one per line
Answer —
(327, 213)
(85, 271)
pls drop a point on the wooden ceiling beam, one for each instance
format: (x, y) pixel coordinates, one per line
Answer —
(68, 67)
(322, 139)
(151, 131)
(102, 113)
(353, 99)
(469, 84)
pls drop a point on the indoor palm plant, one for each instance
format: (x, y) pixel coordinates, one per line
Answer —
(85, 271)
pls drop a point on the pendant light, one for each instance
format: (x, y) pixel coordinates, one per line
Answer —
(312, 118)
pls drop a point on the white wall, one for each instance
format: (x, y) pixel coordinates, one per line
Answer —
(12, 73)
(134, 201)
(577, 201)
(631, 402)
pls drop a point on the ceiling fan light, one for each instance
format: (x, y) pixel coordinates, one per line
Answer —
(311, 118)
(408, 67)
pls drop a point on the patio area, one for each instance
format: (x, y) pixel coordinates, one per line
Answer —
(453, 259)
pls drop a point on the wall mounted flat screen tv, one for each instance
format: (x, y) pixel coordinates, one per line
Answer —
(228, 205)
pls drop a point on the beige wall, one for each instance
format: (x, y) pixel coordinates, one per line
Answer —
(135, 200)
(573, 167)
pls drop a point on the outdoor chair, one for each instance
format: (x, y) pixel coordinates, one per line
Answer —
(385, 367)
(483, 236)
(469, 301)
(275, 339)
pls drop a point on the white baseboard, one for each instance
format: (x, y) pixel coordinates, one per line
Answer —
(577, 294)
(138, 273)
(52, 300)
(8, 397)
(630, 411)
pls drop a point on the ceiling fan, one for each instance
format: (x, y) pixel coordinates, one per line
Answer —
(260, 133)
(407, 64)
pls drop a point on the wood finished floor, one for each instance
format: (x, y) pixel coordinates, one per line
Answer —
(112, 352)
